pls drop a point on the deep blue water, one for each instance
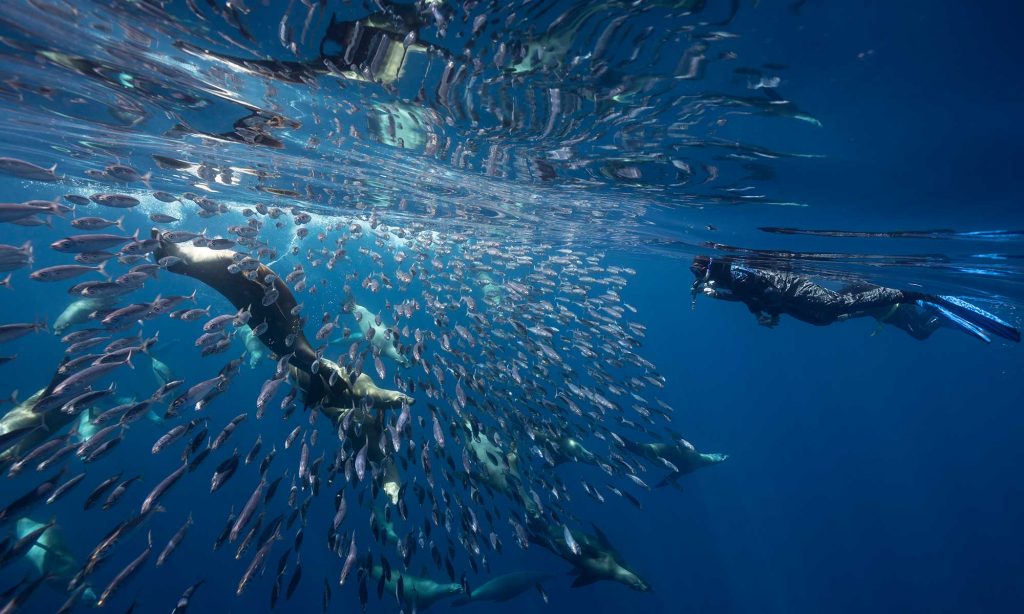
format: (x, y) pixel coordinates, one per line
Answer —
(867, 470)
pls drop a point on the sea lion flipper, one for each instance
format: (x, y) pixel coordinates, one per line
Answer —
(365, 387)
(583, 579)
(57, 378)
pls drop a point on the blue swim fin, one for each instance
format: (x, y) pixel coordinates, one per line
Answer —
(972, 319)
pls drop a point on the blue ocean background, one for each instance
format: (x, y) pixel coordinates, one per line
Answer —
(867, 470)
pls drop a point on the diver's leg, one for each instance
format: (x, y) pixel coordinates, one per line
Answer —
(819, 305)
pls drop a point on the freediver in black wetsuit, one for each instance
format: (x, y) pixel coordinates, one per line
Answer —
(769, 294)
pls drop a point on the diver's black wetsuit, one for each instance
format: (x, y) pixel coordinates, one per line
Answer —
(917, 321)
(768, 294)
(772, 293)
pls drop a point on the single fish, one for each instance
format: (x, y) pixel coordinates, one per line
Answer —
(161, 488)
(176, 539)
(223, 472)
(117, 201)
(125, 573)
(182, 606)
(119, 491)
(65, 487)
(27, 170)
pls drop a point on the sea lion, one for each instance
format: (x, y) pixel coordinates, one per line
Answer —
(505, 587)
(161, 371)
(253, 348)
(78, 312)
(86, 428)
(381, 337)
(283, 335)
(682, 455)
(211, 267)
(595, 560)
(335, 404)
(499, 469)
(51, 556)
(27, 415)
(418, 593)
(493, 293)
(564, 448)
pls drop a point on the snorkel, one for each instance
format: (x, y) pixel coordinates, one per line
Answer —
(702, 283)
